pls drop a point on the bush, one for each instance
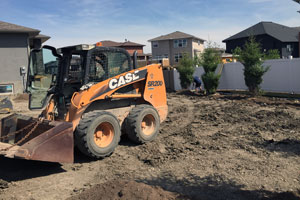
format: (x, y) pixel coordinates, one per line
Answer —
(210, 60)
(186, 70)
(252, 58)
(211, 82)
(272, 54)
(253, 77)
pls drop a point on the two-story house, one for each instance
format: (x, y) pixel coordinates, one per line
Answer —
(174, 45)
(270, 36)
(15, 44)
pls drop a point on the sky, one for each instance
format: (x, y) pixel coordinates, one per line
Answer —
(71, 22)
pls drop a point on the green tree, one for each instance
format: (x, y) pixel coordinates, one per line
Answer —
(186, 70)
(210, 59)
(272, 54)
(252, 58)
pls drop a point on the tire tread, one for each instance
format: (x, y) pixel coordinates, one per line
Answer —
(131, 123)
(82, 131)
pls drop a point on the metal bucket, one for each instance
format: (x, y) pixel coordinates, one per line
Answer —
(28, 138)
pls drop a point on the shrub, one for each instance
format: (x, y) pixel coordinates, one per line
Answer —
(186, 70)
(211, 82)
(272, 54)
(210, 60)
(252, 58)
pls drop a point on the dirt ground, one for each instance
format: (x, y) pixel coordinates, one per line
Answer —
(219, 147)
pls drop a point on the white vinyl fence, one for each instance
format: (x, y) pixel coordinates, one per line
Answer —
(283, 76)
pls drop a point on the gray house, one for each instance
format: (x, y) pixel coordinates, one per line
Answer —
(173, 45)
(15, 44)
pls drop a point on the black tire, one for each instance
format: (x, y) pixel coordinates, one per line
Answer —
(86, 136)
(137, 115)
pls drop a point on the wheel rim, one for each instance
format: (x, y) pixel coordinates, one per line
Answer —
(104, 134)
(148, 125)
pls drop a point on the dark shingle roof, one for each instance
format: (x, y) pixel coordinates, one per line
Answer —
(175, 35)
(13, 28)
(130, 44)
(280, 32)
(109, 43)
(298, 28)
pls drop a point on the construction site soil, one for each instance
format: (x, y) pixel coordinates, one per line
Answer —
(217, 147)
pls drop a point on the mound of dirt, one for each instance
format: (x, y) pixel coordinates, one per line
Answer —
(125, 190)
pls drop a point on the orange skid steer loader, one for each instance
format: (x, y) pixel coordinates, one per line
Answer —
(87, 95)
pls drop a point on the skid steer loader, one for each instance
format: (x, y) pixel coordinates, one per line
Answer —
(87, 94)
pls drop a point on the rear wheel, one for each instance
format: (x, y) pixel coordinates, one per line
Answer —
(98, 134)
(142, 124)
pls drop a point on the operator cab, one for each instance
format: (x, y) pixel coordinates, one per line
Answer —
(71, 69)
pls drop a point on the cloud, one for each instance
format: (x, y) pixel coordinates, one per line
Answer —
(72, 22)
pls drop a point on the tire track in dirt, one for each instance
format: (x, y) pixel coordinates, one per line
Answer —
(208, 148)
(180, 115)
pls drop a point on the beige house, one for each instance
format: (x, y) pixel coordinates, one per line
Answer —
(173, 45)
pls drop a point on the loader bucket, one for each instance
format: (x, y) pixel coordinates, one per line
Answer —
(51, 141)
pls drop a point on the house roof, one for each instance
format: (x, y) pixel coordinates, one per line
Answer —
(130, 44)
(43, 38)
(109, 43)
(280, 32)
(298, 28)
(226, 55)
(13, 28)
(175, 35)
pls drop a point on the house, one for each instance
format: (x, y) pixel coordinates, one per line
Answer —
(15, 44)
(173, 45)
(131, 47)
(271, 36)
(225, 57)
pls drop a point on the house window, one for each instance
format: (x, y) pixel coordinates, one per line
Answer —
(175, 43)
(155, 44)
(184, 43)
(180, 43)
(289, 48)
(178, 57)
(166, 56)
(6, 89)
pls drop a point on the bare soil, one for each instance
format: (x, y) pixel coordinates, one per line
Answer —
(121, 189)
(218, 147)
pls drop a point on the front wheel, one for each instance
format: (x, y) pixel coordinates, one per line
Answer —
(142, 124)
(98, 134)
